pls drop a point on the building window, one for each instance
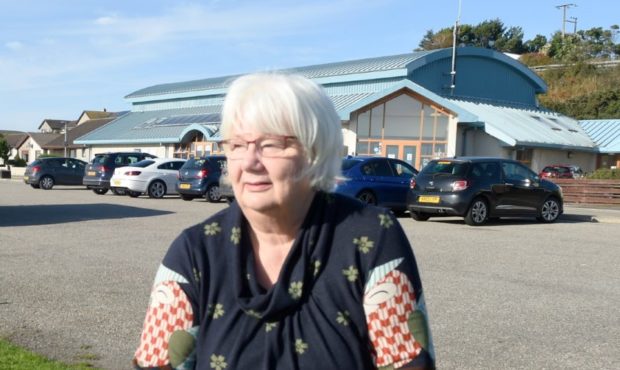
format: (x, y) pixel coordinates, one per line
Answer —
(524, 156)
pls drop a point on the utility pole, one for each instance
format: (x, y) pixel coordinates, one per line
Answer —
(65, 142)
(455, 33)
(574, 22)
(564, 7)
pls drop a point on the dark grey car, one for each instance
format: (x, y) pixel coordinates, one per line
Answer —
(44, 173)
(200, 177)
(98, 173)
(480, 188)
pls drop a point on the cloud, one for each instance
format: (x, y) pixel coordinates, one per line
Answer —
(104, 21)
(14, 45)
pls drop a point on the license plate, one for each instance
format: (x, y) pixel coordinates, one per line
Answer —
(25, 178)
(117, 182)
(92, 173)
(184, 186)
(428, 199)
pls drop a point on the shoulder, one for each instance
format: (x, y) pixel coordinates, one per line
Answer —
(352, 211)
(204, 233)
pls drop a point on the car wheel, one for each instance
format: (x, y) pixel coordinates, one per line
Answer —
(133, 194)
(550, 210)
(419, 216)
(367, 197)
(35, 186)
(46, 183)
(100, 191)
(187, 197)
(157, 189)
(213, 194)
(119, 191)
(477, 213)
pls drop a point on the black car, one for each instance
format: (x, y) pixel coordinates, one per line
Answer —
(44, 173)
(98, 173)
(200, 177)
(479, 188)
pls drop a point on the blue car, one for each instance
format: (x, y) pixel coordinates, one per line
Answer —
(377, 180)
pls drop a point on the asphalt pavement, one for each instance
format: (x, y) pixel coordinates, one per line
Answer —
(76, 270)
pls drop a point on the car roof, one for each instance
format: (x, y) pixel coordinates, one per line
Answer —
(161, 160)
(473, 159)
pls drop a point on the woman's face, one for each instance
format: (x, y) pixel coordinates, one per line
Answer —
(264, 171)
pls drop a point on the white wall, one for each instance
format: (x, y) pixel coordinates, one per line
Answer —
(478, 143)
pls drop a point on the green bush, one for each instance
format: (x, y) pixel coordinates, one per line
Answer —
(605, 174)
(18, 162)
(48, 156)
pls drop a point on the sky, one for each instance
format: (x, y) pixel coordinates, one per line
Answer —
(61, 57)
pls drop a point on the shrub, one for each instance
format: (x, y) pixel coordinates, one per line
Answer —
(48, 156)
(605, 174)
(18, 162)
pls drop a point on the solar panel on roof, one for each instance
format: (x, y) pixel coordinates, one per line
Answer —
(187, 119)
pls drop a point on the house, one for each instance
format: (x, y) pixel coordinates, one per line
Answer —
(56, 126)
(15, 140)
(414, 106)
(54, 140)
(606, 134)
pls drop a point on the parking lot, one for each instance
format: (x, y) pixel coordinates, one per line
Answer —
(76, 270)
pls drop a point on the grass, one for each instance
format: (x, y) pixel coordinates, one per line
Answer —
(13, 357)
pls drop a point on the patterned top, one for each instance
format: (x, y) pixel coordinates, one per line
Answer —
(348, 296)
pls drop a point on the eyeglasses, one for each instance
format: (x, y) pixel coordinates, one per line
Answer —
(267, 146)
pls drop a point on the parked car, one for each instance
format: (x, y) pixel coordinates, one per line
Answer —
(98, 173)
(226, 190)
(154, 176)
(481, 188)
(44, 173)
(200, 177)
(377, 180)
(561, 171)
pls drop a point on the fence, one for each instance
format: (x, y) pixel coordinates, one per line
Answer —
(590, 191)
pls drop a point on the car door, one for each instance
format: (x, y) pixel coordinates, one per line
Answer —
(168, 172)
(520, 192)
(63, 171)
(399, 180)
(76, 171)
(378, 176)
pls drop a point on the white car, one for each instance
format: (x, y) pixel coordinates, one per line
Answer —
(154, 176)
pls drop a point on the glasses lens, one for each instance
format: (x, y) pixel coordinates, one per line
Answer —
(268, 147)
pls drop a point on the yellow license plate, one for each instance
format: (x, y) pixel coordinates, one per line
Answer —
(184, 186)
(428, 199)
(117, 182)
(92, 173)
(25, 178)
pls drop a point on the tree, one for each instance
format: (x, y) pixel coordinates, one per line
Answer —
(5, 151)
(536, 44)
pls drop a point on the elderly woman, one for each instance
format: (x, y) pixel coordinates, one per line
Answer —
(289, 276)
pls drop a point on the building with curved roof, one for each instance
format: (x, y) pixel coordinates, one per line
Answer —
(413, 106)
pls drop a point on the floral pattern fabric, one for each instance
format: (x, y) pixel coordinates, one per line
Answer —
(348, 296)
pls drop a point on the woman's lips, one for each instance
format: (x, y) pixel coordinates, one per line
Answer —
(257, 185)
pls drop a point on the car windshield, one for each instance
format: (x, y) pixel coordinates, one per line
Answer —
(143, 163)
(445, 167)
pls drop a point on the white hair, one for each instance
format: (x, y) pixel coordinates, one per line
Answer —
(292, 105)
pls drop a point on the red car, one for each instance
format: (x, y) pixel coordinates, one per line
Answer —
(561, 171)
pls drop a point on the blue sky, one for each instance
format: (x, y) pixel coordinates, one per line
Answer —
(60, 57)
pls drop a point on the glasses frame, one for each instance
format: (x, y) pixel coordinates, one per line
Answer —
(257, 147)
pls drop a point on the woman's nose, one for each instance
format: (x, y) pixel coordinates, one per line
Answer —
(251, 157)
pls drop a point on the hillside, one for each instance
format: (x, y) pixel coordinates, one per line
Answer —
(583, 91)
